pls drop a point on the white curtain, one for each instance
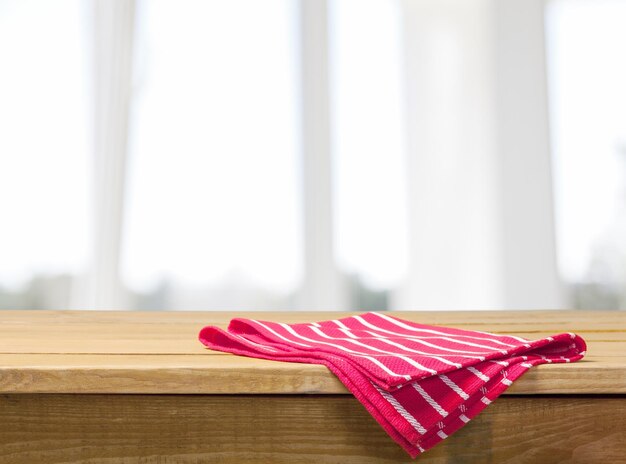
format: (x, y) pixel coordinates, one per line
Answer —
(477, 161)
(112, 70)
(480, 195)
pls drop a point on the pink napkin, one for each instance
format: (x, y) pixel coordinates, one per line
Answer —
(421, 383)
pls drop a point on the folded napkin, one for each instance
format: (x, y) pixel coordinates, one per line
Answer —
(420, 382)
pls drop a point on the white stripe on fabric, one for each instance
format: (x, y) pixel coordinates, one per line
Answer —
(519, 339)
(485, 400)
(369, 358)
(385, 368)
(279, 335)
(400, 409)
(348, 333)
(461, 342)
(458, 390)
(442, 435)
(416, 364)
(410, 361)
(473, 344)
(255, 344)
(418, 340)
(506, 382)
(464, 418)
(344, 328)
(447, 381)
(429, 399)
(502, 363)
(478, 374)
(529, 365)
(406, 348)
(340, 324)
(385, 339)
(415, 329)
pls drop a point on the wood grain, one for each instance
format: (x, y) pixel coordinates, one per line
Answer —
(234, 374)
(133, 387)
(295, 429)
(158, 352)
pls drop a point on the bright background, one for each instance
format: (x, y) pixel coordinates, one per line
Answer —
(312, 154)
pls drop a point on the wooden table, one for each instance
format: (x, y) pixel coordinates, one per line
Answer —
(137, 387)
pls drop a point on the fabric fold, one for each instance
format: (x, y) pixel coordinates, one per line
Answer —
(420, 382)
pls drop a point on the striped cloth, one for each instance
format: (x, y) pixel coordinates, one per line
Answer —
(420, 382)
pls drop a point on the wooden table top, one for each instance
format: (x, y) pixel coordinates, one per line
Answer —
(158, 352)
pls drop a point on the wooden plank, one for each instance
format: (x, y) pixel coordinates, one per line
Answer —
(158, 352)
(299, 429)
(189, 346)
(525, 320)
(235, 374)
(173, 332)
(78, 343)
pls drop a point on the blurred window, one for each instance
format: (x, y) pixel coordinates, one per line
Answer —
(587, 76)
(213, 200)
(370, 201)
(44, 152)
